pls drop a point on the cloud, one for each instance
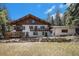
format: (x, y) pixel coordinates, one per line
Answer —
(50, 9)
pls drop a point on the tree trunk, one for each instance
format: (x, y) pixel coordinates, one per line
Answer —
(3, 30)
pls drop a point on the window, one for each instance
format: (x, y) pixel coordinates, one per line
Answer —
(35, 33)
(33, 22)
(27, 34)
(14, 27)
(23, 27)
(42, 33)
(35, 27)
(42, 27)
(31, 27)
(19, 28)
(64, 30)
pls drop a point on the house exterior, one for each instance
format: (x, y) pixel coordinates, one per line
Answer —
(63, 30)
(31, 26)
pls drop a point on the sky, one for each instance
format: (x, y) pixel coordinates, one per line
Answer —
(41, 10)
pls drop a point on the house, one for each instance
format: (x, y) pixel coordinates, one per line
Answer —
(31, 26)
(63, 30)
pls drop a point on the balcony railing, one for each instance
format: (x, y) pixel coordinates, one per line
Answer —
(38, 29)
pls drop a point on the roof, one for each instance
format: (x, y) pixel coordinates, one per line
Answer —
(27, 18)
(63, 26)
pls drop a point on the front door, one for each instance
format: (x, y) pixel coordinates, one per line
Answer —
(77, 31)
(45, 34)
(27, 34)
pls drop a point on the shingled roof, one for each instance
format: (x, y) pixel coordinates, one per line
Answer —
(28, 17)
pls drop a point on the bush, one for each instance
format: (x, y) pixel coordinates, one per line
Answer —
(56, 40)
(62, 40)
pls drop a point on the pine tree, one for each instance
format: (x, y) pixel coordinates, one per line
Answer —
(52, 21)
(49, 18)
(3, 18)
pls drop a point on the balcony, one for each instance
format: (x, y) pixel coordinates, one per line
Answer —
(46, 29)
(19, 28)
(39, 29)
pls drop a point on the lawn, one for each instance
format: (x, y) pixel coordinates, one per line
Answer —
(39, 49)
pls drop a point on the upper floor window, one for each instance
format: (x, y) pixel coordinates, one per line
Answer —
(19, 28)
(42, 27)
(36, 27)
(31, 27)
(32, 21)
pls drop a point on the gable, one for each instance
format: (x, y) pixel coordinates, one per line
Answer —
(29, 19)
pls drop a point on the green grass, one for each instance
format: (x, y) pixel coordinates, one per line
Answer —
(39, 49)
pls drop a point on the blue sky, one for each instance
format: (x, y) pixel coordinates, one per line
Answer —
(18, 10)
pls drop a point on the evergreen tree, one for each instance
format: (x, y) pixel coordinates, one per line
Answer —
(3, 19)
(49, 18)
(52, 21)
